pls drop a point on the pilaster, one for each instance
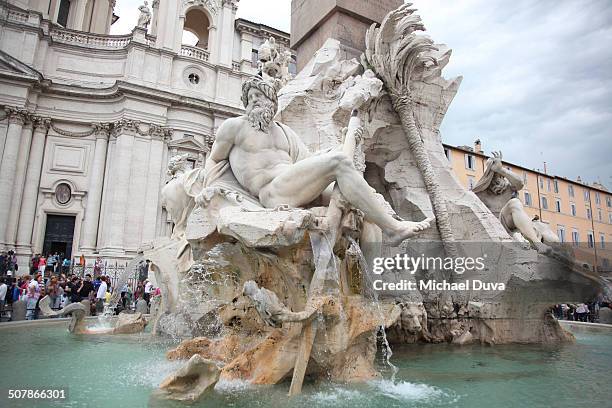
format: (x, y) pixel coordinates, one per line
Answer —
(30, 192)
(18, 182)
(95, 186)
(16, 119)
(124, 131)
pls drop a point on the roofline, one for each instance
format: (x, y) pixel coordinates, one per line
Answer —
(531, 170)
(262, 27)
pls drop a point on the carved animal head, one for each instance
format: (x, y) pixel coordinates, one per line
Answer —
(414, 317)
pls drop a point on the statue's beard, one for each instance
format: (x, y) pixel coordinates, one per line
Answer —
(260, 116)
(499, 185)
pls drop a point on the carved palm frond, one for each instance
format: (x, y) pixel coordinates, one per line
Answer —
(395, 52)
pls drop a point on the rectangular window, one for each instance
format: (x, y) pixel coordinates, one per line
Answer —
(561, 233)
(556, 186)
(527, 199)
(573, 209)
(558, 205)
(597, 198)
(548, 184)
(525, 178)
(602, 241)
(541, 183)
(575, 237)
(586, 195)
(610, 218)
(470, 183)
(470, 162)
(591, 239)
(588, 213)
(609, 202)
(254, 58)
(599, 215)
(570, 190)
(544, 203)
(64, 11)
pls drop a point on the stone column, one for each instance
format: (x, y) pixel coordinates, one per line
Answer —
(18, 183)
(226, 39)
(125, 131)
(79, 15)
(213, 47)
(154, 20)
(8, 166)
(32, 183)
(159, 137)
(94, 191)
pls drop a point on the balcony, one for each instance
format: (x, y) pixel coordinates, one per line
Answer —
(65, 36)
(194, 52)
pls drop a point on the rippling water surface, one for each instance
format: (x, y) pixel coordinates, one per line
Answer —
(121, 371)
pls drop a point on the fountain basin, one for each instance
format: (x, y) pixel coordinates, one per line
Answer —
(124, 370)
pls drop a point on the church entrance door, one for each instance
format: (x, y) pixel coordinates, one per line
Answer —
(59, 234)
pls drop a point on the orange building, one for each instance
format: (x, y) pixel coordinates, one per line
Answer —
(579, 213)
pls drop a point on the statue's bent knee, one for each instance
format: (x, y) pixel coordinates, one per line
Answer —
(340, 159)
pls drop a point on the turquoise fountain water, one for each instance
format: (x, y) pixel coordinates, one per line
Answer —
(123, 370)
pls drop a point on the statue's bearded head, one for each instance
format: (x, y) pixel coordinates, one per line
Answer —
(260, 101)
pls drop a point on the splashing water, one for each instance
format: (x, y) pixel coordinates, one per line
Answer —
(129, 271)
(373, 296)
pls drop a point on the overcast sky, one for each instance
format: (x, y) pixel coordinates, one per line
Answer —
(537, 76)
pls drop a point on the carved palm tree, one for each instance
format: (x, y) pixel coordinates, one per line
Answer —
(399, 56)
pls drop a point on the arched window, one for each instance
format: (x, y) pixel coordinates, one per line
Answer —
(195, 29)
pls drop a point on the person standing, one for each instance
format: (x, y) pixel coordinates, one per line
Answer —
(3, 290)
(101, 295)
(42, 264)
(147, 290)
(34, 264)
(85, 288)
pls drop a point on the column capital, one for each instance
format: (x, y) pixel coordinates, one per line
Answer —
(231, 3)
(16, 115)
(160, 132)
(125, 126)
(41, 123)
(102, 130)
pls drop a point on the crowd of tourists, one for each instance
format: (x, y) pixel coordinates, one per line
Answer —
(63, 289)
(53, 263)
(580, 312)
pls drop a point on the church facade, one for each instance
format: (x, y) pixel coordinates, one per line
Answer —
(89, 120)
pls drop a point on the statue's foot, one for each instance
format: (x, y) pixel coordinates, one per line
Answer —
(407, 229)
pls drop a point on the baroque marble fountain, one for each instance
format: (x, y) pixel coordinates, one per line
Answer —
(267, 277)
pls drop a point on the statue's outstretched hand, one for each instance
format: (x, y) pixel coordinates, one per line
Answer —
(497, 161)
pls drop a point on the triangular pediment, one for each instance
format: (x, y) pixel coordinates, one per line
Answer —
(188, 143)
(11, 64)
